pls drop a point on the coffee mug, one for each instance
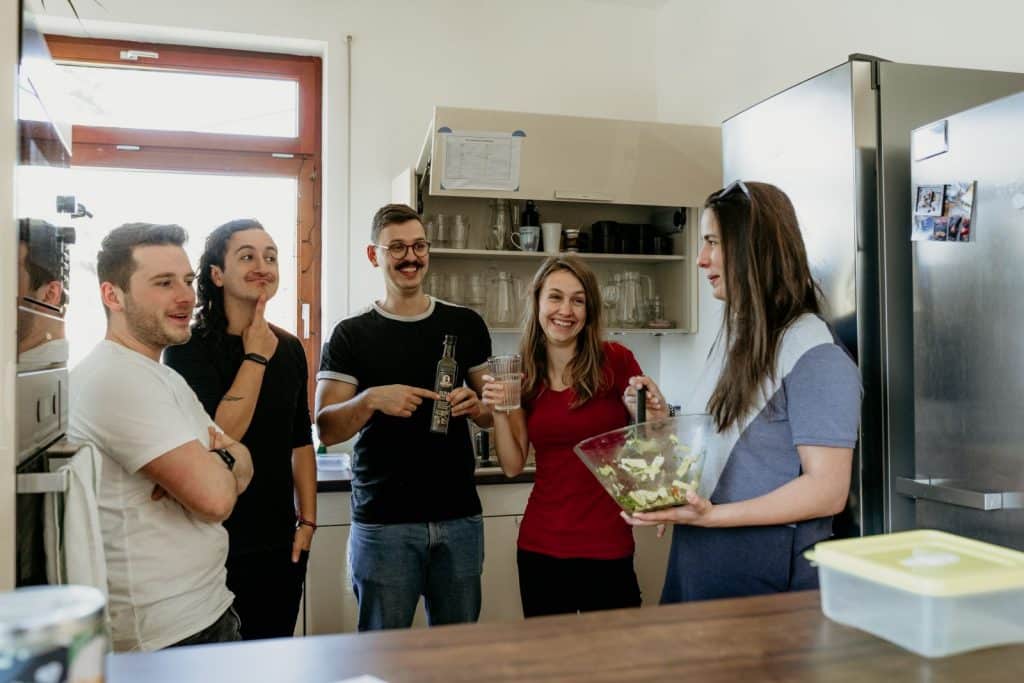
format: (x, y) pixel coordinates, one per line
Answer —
(528, 238)
(552, 237)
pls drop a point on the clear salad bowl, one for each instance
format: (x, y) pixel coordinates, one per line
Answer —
(652, 465)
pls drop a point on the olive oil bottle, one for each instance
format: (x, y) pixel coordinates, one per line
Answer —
(444, 382)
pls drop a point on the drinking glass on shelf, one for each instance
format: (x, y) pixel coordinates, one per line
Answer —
(434, 285)
(503, 300)
(456, 293)
(476, 290)
(610, 294)
(508, 371)
(458, 235)
(499, 225)
(430, 228)
(443, 224)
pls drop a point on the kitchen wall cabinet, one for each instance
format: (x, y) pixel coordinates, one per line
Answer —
(580, 171)
(576, 158)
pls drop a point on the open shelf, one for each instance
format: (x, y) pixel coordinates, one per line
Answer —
(540, 255)
(614, 332)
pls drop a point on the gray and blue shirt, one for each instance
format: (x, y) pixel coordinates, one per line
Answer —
(814, 400)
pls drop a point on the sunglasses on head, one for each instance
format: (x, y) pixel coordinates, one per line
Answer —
(732, 187)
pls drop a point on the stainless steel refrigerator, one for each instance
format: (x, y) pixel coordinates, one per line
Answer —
(968, 315)
(839, 145)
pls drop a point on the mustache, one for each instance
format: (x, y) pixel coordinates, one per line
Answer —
(405, 264)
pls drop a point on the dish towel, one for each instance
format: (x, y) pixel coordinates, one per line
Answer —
(74, 544)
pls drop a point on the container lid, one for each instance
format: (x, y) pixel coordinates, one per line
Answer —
(925, 562)
(48, 611)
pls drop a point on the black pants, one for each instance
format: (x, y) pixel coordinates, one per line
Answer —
(550, 585)
(224, 630)
(267, 587)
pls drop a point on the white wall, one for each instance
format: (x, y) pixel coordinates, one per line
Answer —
(593, 57)
(9, 23)
(714, 60)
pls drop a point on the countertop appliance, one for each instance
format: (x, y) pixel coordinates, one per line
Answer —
(839, 145)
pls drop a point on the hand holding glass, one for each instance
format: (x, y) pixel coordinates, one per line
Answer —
(506, 373)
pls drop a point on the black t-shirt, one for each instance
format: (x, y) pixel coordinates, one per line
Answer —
(264, 516)
(402, 472)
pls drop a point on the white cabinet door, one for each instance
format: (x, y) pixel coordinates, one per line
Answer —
(500, 581)
(651, 561)
(330, 604)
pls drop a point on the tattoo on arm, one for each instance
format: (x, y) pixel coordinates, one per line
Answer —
(229, 397)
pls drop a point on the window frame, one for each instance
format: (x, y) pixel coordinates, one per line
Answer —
(191, 152)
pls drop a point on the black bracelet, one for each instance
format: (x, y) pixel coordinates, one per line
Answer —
(256, 358)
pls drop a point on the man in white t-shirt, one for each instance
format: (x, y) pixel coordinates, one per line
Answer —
(169, 477)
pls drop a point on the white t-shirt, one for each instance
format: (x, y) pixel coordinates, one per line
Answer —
(165, 567)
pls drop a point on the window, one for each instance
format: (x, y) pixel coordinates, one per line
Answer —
(197, 136)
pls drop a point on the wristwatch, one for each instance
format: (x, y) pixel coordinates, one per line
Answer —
(256, 358)
(228, 459)
(302, 521)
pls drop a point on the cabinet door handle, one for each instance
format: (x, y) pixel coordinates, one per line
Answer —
(952, 492)
(583, 196)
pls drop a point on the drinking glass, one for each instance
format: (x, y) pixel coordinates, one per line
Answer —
(456, 293)
(443, 224)
(459, 235)
(508, 371)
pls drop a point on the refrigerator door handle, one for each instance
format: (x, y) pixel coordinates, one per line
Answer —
(951, 492)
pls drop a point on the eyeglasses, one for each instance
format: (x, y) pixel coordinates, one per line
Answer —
(732, 187)
(399, 250)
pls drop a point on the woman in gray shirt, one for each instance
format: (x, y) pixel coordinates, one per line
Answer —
(785, 398)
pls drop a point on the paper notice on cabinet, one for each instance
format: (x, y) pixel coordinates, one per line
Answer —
(481, 161)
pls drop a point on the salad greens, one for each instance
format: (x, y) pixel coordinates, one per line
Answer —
(639, 478)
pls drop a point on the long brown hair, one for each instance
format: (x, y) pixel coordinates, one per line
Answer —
(586, 370)
(768, 285)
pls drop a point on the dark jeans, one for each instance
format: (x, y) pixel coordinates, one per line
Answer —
(224, 630)
(392, 565)
(268, 588)
(551, 585)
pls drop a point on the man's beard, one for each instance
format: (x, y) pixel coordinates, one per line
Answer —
(146, 327)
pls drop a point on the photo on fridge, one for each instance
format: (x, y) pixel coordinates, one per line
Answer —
(929, 200)
(930, 229)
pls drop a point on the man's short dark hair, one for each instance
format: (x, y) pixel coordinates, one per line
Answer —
(390, 215)
(115, 261)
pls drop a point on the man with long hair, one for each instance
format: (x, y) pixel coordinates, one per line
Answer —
(416, 525)
(169, 476)
(251, 378)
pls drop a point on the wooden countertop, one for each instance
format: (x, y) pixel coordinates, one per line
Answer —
(776, 638)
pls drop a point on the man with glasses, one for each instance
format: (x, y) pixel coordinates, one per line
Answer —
(416, 524)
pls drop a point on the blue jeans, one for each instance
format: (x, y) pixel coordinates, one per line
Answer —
(392, 565)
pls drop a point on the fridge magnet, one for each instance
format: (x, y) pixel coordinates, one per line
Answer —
(930, 229)
(929, 200)
(959, 208)
(931, 140)
(959, 229)
(924, 228)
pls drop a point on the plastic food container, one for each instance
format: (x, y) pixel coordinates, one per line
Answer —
(930, 592)
(52, 633)
(652, 465)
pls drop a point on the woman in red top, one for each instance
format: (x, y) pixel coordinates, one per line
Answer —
(575, 551)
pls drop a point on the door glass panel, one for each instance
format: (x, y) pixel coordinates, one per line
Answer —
(197, 202)
(170, 100)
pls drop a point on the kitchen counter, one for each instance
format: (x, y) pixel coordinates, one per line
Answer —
(333, 480)
(778, 637)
